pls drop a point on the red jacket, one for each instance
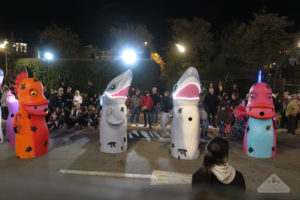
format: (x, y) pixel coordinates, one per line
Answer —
(147, 100)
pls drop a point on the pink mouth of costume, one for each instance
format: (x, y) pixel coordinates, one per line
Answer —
(261, 111)
(37, 109)
(121, 94)
(188, 92)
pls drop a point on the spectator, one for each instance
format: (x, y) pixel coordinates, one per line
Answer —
(85, 100)
(77, 101)
(132, 92)
(68, 99)
(216, 170)
(53, 100)
(291, 113)
(135, 106)
(211, 85)
(156, 101)
(239, 122)
(166, 108)
(285, 102)
(46, 93)
(90, 88)
(73, 117)
(222, 120)
(60, 100)
(127, 104)
(63, 85)
(4, 107)
(210, 104)
(82, 117)
(220, 90)
(235, 90)
(234, 102)
(53, 121)
(147, 105)
(224, 101)
(93, 118)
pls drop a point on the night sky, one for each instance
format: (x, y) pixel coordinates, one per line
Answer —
(93, 19)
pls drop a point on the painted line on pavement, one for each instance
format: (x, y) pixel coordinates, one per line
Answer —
(145, 134)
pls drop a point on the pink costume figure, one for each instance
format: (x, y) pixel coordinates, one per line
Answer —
(260, 137)
(13, 107)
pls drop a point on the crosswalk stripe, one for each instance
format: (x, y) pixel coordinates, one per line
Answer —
(136, 133)
(130, 136)
(146, 136)
(158, 136)
(151, 134)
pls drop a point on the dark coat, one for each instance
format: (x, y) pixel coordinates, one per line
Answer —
(166, 104)
(238, 182)
(211, 103)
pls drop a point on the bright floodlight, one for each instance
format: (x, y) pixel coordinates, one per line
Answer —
(129, 56)
(180, 48)
(48, 56)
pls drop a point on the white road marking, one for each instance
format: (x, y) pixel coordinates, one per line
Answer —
(152, 135)
(145, 134)
(158, 136)
(157, 177)
(136, 133)
(130, 136)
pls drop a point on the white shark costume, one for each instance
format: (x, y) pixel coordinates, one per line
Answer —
(1, 133)
(113, 125)
(185, 123)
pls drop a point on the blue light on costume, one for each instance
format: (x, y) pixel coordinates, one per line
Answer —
(259, 76)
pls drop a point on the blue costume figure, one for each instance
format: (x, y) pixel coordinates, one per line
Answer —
(260, 138)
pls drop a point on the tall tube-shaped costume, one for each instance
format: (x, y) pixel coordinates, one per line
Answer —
(32, 134)
(13, 108)
(185, 121)
(1, 133)
(260, 138)
(113, 125)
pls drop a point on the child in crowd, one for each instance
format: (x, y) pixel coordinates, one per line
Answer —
(222, 120)
(53, 121)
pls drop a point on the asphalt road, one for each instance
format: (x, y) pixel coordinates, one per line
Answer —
(74, 156)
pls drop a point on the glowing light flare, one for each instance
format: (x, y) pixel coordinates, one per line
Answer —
(180, 48)
(2, 46)
(48, 56)
(129, 56)
(259, 76)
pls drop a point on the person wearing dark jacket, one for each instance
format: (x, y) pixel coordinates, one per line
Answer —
(68, 99)
(216, 171)
(53, 99)
(166, 107)
(211, 104)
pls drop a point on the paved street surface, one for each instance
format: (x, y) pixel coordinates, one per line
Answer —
(74, 157)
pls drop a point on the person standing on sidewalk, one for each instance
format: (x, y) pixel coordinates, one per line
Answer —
(147, 105)
(211, 104)
(291, 113)
(156, 102)
(135, 106)
(166, 107)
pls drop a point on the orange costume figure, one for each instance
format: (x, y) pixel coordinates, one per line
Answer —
(32, 134)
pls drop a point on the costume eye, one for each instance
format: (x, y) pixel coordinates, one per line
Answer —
(113, 86)
(33, 92)
(251, 96)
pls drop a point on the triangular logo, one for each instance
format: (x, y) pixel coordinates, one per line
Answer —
(273, 184)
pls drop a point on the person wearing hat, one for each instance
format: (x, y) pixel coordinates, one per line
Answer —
(4, 107)
(147, 105)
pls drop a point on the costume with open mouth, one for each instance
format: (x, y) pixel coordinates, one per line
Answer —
(185, 136)
(113, 125)
(32, 134)
(260, 138)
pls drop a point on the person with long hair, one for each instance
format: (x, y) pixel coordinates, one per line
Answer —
(216, 170)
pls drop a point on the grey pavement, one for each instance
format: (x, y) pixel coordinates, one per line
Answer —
(148, 151)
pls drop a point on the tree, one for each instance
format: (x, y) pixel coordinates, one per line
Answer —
(197, 39)
(132, 36)
(262, 42)
(61, 40)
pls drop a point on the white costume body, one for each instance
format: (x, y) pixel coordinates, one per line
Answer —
(1, 133)
(113, 125)
(185, 137)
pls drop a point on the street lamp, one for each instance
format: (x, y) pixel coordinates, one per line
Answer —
(48, 56)
(180, 48)
(2, 46)
(129, 56)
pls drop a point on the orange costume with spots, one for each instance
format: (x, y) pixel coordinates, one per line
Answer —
(32, 134)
